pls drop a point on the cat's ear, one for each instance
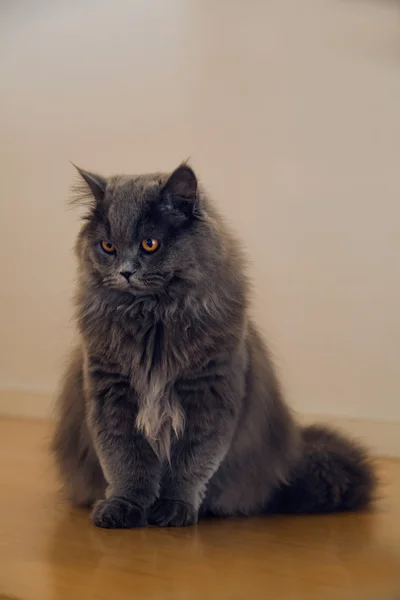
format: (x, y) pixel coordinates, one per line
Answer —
(92, 187)
(179, 194)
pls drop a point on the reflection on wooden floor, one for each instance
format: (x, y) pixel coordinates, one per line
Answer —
(49, 551)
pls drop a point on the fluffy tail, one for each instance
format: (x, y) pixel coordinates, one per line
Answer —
(333, 474)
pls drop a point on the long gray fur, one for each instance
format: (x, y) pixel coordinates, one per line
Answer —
(170, 407)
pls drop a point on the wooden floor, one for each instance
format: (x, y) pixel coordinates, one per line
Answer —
(49, 551)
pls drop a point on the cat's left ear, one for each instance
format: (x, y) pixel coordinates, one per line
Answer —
(94, 185)
(179, 194)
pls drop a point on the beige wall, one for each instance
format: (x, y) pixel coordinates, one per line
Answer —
(290, 112)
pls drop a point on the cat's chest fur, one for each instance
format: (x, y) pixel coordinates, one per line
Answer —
(150, 351)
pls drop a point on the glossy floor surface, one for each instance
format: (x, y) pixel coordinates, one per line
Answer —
(51, 551)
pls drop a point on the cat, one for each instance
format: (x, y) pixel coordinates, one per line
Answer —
(170, 409)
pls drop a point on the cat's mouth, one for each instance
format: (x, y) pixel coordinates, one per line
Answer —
(143, 285)
(150, 284)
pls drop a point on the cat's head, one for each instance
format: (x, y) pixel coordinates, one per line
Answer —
(147, 234)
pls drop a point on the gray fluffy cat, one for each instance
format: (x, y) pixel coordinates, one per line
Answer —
(170, 408)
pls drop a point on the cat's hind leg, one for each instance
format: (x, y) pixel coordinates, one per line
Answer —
(76, 459)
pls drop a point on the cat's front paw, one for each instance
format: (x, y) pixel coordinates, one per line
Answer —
(172, 513)
(117, 513)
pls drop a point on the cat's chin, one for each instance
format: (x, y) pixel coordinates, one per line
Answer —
(138, 289)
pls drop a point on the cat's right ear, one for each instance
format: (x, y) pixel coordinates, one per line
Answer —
(179, 194)
(91, 187)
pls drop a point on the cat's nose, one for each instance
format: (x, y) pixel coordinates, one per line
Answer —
(126, 274)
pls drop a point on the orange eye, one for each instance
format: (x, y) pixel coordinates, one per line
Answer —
(108, 247)
(150, 245)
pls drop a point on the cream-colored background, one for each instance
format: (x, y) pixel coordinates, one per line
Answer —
(290, 112)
